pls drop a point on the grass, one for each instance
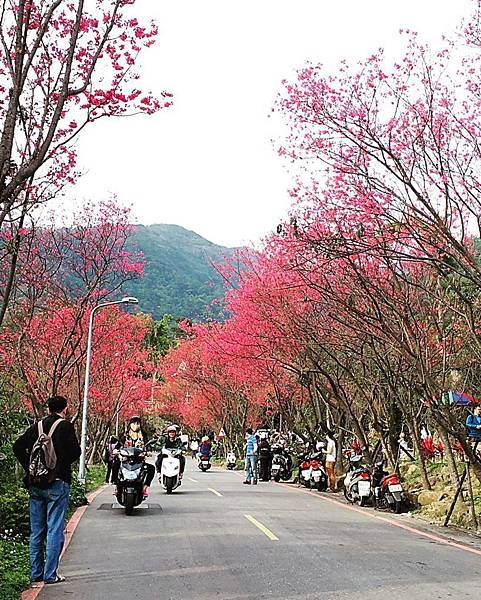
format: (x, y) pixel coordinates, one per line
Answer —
(14, 566)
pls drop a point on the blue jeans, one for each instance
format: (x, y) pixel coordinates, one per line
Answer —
(47, 520)
(251, 465)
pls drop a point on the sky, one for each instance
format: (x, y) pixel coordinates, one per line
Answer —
(209, 162)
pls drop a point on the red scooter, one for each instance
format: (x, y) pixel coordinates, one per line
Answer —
(388, 490)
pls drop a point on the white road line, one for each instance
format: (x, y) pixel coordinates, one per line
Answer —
(194, 480)
(262, 527)
(215, 492)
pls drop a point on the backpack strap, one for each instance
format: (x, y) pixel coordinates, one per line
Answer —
(40, 428)
(54, 426)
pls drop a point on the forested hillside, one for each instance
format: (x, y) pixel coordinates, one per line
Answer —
(179, 278)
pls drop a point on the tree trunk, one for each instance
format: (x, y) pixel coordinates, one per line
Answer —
(422, 463)
(448, 452)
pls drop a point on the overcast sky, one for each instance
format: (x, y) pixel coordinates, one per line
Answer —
(207, 163)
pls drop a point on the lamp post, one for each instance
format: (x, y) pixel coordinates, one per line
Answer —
(83, 439)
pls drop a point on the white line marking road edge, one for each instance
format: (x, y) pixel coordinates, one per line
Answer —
(215, 492)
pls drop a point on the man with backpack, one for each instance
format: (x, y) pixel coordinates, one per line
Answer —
(46, 451)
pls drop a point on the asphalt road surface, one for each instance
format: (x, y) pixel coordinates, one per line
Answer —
(216, 538)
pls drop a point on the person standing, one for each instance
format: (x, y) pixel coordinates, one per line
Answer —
(265, 458)
(251, 457)
(330, 453)
(48, 498)
(473, 424)
(111, 459)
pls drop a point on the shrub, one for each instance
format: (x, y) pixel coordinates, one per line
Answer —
(14, 566)
(14, 513)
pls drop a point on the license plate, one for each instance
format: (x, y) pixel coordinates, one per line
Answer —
(306, 474)
(275, 467)
(397, 487)
(364, 488)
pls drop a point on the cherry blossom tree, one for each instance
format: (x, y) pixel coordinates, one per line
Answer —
(64, 64)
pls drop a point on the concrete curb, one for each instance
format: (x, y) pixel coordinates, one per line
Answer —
(34, 590)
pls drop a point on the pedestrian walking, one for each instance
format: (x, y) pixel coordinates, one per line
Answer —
(46, 451)
(111, 459)
(251, 457)
(330, 453)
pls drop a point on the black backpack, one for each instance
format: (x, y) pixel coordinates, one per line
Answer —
(42, 466)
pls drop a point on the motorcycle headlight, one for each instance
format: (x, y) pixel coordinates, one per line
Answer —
(130, 475)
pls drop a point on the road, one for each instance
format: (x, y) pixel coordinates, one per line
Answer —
(216, 538)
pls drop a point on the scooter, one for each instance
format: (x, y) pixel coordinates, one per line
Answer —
(204, 462)
(281, 464)
(131, 478)
(319, 479)
(388, 490)
(357, 482)
(230, 461)
(170, 470)
(304, 470)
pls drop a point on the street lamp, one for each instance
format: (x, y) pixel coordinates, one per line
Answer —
(83, 439)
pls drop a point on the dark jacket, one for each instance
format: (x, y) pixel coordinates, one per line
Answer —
(65, 443)
(166, 443)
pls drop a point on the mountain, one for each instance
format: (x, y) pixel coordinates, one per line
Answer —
(179, 277)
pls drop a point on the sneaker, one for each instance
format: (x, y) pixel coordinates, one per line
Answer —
(58, 579)
(246, 482)
(254, 483)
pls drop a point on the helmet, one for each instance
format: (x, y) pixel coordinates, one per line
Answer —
(205, 438)
(171, 428)
(134, 418)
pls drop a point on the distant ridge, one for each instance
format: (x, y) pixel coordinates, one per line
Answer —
(179, 276)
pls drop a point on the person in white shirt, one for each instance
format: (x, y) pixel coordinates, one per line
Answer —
(330, 452)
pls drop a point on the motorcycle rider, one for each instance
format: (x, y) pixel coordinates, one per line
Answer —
(205, 448)
(171, 441)
(136, 437)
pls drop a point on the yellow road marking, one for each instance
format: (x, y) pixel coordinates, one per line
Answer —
(215, 492)
(262, 527)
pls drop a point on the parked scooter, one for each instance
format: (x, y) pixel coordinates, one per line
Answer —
(204, 462)
(357, 482)
(388, 490)
(319, 479)
(304, 468)
(169, 477)
(131, 478)
(281, 464)
(230, 461)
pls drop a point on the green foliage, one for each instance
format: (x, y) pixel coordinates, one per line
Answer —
(179, 278)
(14, 514)
(14, 566)
(95, 476)
(162, 336)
